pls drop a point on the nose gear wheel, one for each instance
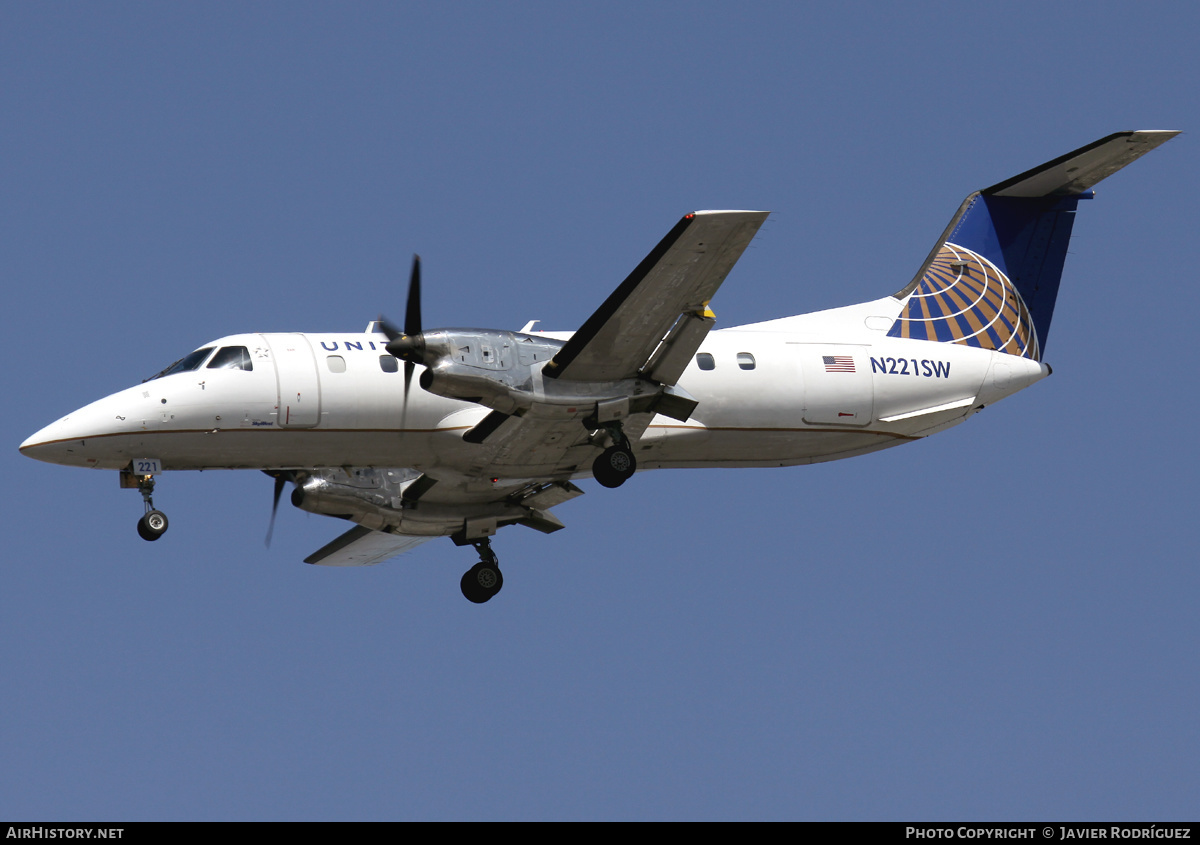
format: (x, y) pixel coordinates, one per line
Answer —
(153, 523)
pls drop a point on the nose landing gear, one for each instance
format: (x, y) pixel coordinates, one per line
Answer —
(153, 523)
(484, 579)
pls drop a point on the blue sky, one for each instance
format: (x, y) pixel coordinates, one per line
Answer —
(995, 623)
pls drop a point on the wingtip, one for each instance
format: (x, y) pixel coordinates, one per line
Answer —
(1153, 136)
(728, 211)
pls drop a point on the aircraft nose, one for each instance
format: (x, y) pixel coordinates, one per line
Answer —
(78, 439)
(52, 444)
(96, 435)
(30, 442)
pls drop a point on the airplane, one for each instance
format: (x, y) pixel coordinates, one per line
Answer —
(501, 424)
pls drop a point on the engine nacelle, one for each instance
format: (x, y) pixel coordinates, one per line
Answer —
(374, 498)
(360, 494)
(503, 371)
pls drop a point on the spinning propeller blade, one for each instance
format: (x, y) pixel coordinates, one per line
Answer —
(412, 311)
(407, 345)
(282, 477)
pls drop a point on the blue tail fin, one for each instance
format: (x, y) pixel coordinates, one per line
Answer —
(992, 279)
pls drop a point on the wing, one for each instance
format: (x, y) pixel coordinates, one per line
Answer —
(363, 547)
(399, 509)
(662, 305)
(650, 326)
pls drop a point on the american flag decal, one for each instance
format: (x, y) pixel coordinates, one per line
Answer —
(838, 363)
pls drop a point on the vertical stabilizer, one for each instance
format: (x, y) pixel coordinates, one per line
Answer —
(992, 279)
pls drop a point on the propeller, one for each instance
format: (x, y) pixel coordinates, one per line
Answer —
(282, 477)
(407, 345)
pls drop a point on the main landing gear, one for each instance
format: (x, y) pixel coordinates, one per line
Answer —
(484, 579)
(153, 523)
(616, 464)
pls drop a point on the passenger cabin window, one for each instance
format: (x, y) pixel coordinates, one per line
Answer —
(705, 361)
(336, 363)
(231, 358)
(745, 360)
(183, 365)
(388, 363)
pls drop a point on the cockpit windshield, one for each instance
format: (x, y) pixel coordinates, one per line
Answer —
(231, 358)
(183, 365)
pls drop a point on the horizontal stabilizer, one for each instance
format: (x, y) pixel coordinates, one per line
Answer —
(1077, 171)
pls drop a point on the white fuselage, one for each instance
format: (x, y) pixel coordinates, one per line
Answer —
(770, 398)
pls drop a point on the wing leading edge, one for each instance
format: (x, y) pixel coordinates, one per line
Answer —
(663, 301)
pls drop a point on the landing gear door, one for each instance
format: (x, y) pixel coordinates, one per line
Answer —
(296, 376)
(837, 383)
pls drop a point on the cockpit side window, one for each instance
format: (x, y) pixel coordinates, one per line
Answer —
(185, 364)
(231, 358)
